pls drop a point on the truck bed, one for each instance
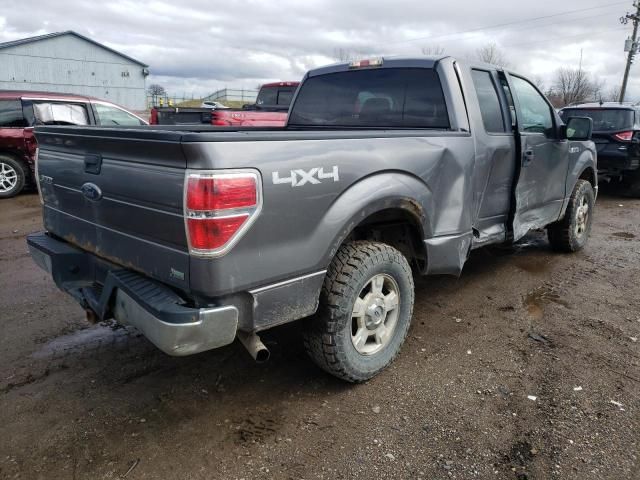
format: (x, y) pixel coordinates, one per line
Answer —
(139, 221)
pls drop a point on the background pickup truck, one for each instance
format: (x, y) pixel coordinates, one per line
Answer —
(197, 236)
(270, 110)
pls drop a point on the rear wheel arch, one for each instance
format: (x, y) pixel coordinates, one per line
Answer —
(397, 227)
(399, 207)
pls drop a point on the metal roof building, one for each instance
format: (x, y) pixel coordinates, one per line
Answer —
(72, 63)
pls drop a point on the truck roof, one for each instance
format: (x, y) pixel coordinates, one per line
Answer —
(609, 105)
(394, 62)
(281, 84)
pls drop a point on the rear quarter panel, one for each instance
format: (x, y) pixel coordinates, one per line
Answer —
(302, 225)
(20, 143)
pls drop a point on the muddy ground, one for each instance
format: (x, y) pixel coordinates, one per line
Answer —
(526, 367)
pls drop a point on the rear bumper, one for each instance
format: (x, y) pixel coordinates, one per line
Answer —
(156, 310)
(614, 163)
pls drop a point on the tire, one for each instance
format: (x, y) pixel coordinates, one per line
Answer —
(631, 184)
(360, 282)
(12, 176)
(572, 232)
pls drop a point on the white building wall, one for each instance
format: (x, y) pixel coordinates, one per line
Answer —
(72, 65)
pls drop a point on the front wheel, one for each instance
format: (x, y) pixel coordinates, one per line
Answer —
(365, 311)
(572, 232)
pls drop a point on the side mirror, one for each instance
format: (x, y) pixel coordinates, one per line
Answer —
(579, 128)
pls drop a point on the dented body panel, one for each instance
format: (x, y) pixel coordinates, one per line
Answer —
(462, 187)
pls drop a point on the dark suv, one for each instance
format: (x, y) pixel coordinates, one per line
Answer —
(616, 133)
(21, 111)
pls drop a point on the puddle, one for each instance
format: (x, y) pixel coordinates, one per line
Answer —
(82, 340)
(535, 301)
(534, 309)
(532, 264)
(625, 235)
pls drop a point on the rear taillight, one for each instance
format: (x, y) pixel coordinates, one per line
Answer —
(624, 136)
(219, 207)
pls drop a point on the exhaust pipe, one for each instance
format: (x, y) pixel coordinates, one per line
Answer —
(254, 346)
(92, 317)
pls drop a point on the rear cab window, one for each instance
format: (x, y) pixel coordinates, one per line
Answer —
(271, 96)
(386, 97)
(11, 115)
(604, 119)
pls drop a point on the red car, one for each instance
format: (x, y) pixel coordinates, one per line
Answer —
(20, 111)
(270, 110)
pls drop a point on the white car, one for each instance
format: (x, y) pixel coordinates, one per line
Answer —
(213, 105)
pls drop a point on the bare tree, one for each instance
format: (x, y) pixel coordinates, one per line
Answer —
(611, 94)
(156, 90)
(434, 50)
(538, 81)
(574, 86)
(491, 53)
(344, 54)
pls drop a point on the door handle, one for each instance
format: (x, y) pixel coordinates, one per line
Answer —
(528, 156)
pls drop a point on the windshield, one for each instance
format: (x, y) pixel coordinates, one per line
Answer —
(604, 119)
(388, 97)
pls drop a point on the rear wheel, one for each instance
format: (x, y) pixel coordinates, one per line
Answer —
(12, 176)
(365, 311)
(572, 232)
(631, 183)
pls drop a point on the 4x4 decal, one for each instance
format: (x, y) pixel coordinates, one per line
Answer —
(299, 177)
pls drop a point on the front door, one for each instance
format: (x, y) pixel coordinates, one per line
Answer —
(543, 160)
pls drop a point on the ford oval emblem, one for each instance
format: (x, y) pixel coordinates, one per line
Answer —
(91, 191)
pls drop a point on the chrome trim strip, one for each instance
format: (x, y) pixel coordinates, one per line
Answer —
(285, 282)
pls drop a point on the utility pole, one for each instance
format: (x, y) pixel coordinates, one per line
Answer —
(633, 47)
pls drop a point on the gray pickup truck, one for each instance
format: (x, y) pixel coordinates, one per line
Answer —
(386, 168)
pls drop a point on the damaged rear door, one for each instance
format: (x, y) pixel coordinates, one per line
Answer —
(543, 159)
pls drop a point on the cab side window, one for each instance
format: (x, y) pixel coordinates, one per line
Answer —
(535, 112)
(489, 103)
(11, 114)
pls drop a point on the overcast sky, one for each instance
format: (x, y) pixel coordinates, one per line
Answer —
(197, 46)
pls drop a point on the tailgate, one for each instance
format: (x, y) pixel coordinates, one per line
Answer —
(184, 116)
(118, 194)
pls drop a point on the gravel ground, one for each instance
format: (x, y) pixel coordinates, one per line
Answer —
(526, 367)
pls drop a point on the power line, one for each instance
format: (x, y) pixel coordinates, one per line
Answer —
(553, 39)
(590, 33)
(507, 24)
